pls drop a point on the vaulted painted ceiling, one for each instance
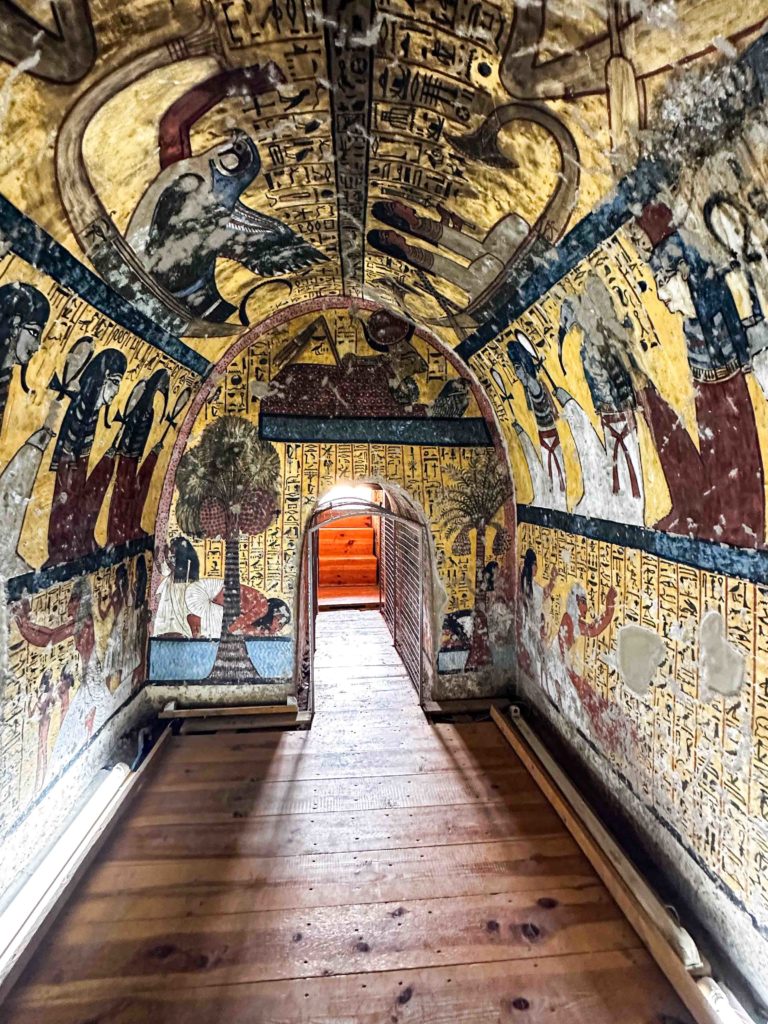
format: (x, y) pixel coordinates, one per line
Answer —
(217, 162)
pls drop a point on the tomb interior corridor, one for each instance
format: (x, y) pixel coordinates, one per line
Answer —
(384, 511)
(375, 868)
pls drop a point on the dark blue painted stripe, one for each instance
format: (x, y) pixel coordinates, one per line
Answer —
(636, 189)
(743, 563)
(42, 579)
(467, 433)
(37, 247)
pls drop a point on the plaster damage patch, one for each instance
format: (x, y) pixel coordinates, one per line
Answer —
(721, 665)
(640, 652)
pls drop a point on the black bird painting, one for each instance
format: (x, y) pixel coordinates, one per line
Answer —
(453, 400)
(191, 215)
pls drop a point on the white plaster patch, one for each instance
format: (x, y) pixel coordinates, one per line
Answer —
(639, 653)
(721, 665)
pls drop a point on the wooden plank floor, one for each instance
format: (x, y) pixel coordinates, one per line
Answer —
(374, 869)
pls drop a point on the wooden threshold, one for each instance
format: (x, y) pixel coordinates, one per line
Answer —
(248, 723)
(435, 709)
(224, 712)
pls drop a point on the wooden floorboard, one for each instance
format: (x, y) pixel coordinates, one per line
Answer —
(375, 869)
(309, 942)
(343, 765)
(207, 802)
(616, 987)
(395, 828)
(119, 890)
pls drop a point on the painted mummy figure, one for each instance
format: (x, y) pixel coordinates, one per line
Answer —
(547, 469)
(615, 477)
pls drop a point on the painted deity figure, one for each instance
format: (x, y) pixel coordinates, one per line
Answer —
(133, 474)
(392, 336)
(78, 494)
(547, 470)
(41, 707)
(24, 312)
(736, 220)
(534, 598)
(613, 489)
(17, 480)
(716, 488)
(92, 702)
(574, 692)
(191, 606)
(259, 615)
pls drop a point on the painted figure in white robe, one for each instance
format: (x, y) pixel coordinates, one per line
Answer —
(179, 567)
(548, 468)
(16, 484)
(611, 467)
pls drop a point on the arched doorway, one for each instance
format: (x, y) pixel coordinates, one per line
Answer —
(349, 552)
(406, 584)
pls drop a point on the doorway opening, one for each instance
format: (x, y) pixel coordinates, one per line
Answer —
(348, 550)
(367, 547)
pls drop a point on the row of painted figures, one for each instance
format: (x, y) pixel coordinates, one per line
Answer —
(92, 684)
(89, 383)
(716, 483)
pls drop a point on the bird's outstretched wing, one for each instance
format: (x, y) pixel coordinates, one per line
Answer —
(168, 220)
(266, 246)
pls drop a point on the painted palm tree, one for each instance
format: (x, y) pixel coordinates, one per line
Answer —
(227, 489)
(478, 493)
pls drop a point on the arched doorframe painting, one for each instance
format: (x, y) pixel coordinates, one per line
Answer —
(217, 375)
(400, 507)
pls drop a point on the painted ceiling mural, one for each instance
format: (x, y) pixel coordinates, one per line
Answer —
(217, 161)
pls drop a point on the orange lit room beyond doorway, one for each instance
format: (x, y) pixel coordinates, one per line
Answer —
(348, 559)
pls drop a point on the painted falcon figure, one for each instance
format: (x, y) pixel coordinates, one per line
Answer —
(191, 215)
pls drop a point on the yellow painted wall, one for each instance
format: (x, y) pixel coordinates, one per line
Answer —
(308, 470)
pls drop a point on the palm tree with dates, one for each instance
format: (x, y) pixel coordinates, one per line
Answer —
(478, 492)
(227, 489)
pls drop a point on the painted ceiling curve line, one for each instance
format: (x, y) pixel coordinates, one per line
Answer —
(638, 188)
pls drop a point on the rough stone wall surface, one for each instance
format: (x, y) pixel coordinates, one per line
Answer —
(88, 389)
(632, 394)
